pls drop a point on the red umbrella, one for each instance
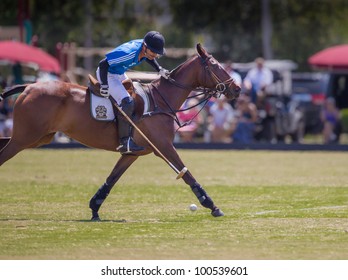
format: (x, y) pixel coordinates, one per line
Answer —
(16, 51)
(332, 58)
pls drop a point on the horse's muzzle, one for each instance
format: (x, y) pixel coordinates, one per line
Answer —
(232, 92)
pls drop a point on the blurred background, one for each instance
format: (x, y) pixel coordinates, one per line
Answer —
(307, 101)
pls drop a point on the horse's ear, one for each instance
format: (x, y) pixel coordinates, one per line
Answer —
(201, 51)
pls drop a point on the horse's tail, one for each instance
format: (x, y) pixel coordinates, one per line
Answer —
(13, 90)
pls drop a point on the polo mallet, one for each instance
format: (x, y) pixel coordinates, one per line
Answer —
(180, 173)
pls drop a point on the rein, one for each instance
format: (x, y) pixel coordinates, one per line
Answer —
(205, 100)
(200, 91)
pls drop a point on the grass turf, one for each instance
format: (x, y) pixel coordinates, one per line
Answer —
(278, 205)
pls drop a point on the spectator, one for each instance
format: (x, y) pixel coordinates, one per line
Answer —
(246, 114)
(257, 79)
(221, 121)
(3, 116)
(8, 124)
(234, 75)
(6, 117)
(192, 117)
(17, 73)
(330, 117)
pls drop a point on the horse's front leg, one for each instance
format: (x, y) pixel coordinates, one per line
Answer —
(204, 199)
(121, 166)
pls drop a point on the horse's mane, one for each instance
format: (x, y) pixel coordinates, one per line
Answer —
(173, 71)
(183, 63)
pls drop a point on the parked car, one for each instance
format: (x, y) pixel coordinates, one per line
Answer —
(279, 116)
(310, 91)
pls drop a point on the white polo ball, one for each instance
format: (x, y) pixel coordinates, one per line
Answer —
(193, 207)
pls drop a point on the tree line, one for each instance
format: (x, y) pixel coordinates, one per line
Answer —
(237, 30)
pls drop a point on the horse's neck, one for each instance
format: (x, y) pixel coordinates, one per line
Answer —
(186, 79)
(188, 73)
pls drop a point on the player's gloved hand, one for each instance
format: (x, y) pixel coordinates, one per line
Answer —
(164, 73)
(104, 90)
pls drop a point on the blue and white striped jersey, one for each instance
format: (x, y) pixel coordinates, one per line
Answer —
(124, 57)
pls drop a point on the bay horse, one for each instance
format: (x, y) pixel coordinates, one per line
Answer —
(44, 108)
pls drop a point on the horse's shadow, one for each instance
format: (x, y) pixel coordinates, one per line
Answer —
(75, 221)
(99, 221)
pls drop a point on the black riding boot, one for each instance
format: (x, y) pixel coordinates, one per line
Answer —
(127, 144)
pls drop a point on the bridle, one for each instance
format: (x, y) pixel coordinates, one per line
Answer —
(220, 88)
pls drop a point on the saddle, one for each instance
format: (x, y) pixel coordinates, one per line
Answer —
(102, 107)
(94, 86)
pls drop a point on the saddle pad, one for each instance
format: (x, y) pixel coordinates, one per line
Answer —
(101, 108)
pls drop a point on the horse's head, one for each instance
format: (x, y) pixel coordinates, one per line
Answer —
(218, 78)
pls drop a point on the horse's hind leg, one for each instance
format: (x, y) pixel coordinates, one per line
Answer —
(9, 151)
(121, 166)
(13, 147)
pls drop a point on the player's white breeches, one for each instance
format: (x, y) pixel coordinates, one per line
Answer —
(116, 89)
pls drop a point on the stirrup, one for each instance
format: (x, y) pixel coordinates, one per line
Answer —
(128, 146)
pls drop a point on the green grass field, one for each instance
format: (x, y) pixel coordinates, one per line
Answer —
(277, 205)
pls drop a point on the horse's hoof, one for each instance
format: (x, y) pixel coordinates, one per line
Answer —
(95, 217)
(217, 213)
